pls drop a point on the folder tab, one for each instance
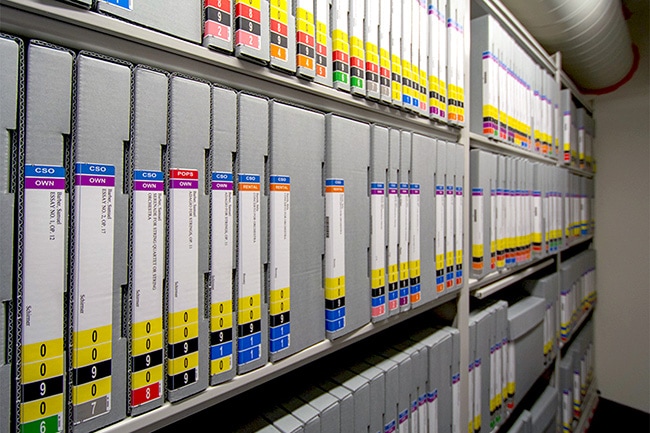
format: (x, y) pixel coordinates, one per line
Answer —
(251, 35)
(378, 233)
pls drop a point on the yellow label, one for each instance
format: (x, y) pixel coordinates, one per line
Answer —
(459, 257)
(392, 273)
(339, 45)
(414, 268)
(403, 271)
(249, 315)
(450, 258)
(38, 409)
(477, 250)
(220, 365)
(252, 3)
(305, 27)
(92, 336)
(92, 355)
(321, 38)
(378, 278)
(490, 111)
(321, 27)
(91, 390)
(147, 344)
(339, 35)
(279, 15)
(440, 261)
(220, 309)
(146, 377)
(396, 64)
(183, 332)
(511, 388)
(182, 317)
(332, 283)
(49, 367)
(279, 4)
(477, 422)
(221, 322)
(280, 295)
(279, 307)
(182, 363)
(249, 302)
(148, 327)
(332, 293)
(43, 350)
(303, 14)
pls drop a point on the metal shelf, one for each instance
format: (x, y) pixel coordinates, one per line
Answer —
(478, 141)
(499, 280)
(591, 403)
(580, 171)
(576, 242)
(81, 29)
(170, 413)
(584, 317)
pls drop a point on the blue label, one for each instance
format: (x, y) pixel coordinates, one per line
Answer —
(334, 182)
(377, 185)
(403, 293)
(335, 325)
(148, 175)
(440, 280)
(249, 178)
(280, 179)
(246, 356)
(392, 295)
(249, 341)
(221, 350)
(221, 176)
(392, 185)
(280, 331)
(44, 171)
(94, 169)
(335, 314)
(279, 344)
(126, 4)
(415, 288)
(379, 300)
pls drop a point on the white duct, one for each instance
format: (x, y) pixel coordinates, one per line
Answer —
(592, 36)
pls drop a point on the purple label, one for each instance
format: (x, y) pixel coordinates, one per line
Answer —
(85, 180)
(377, 191)
(221, 186)
(44, 183)
(183, 184)
(148, 186)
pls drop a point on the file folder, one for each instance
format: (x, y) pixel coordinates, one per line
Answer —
(390, 371)
(459, 232)
(422, 220)
(296, 221)
(11, 99)
(392, 226)
(566, 392)
(326, 405)
(454, 382)
(147, 239)
(252, 213)
(371, 38)
(474, 387)
(357, 49)
(405, 374)
(440, 225)
(501, 391)
(347, 235)
(450, 217)
(442, 71)
(379, 154)
(308, 416)
(345, 403)
(425, 38)
(282, 420)
(223, 214)
(323, 43)
(183, 19)
(405, 53)
(188, 202)
(218, 24)
(305, 39)
(359, 386)
(397, 90)
(484, 63)
(404, 219)
(526, 343)
(544, 411)
(251, 29)
(282, 36)
(419, 359)
(340, 45)
(99, 241)
(42, 232)
(522, 424)
(377, 392)
(482, 167)
(385, 89)
(547, 288)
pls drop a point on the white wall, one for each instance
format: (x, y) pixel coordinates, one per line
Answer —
(622, 239)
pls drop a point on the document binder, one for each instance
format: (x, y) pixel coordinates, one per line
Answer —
(223, 214)
(377, 392)
(340, 45)
(422, 220)
(405, 374)
(326, 405)
(357, 48)
(392, 226)
(99, 242)
(182, 19)
(347, 232)
(544, 411)
(379, 154)
(282, 420)
(397, 91)
(188, 201)
(305, 39)
(404, 219)
(149, 101)
(390, 370)
(296, 222)
(251, 35)
(459, 232)
(218, 24)
(423, 54)
(282, 36)
(384, 51)
(252, 211)
(450, 216)
(454, 381)
(371, 38)
(308, 415)
(41, 380)
(359, 386)
(405, 49)
(323, 43)
(482, 167)
(440, 226)
(345, 403)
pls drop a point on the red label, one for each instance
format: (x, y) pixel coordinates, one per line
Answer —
(217, 30)
(143, 395)
(321, 49)
(278, 27)
(242, 10)
(222, 5)
(305, 38)
(248, 39)
(340, 56)
(356, 62)
(384, 72)
(372, 67)
(175, 173)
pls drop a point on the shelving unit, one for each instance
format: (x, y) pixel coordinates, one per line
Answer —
(79, 29)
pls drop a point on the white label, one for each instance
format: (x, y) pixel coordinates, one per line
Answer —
(44, 254)
(414, 241)
(498, 378)
(471, 400)
(280, 234)
(567, 411)
(577, 397)
(511, 369)
(378, 248)
(334, 253)
(477, 216)
(455, 397)
(478, 392)
(249, 235)
(222, 236)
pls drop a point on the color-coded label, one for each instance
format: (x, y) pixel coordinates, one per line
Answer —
(393, 239)
(322, 33)
(305, 37)
(43, 287)
(340, 57)
(377, 249)
(334, 254)
(218, 19)
(450, 207)
(458, 233)
(357, 62)
(222, 237)
(278, 24)
(183, 287)
(403, 248)
(249, 309)
(414, 243)
(477, 229)
(147, 276)
(124, 4)
(248, 23)
(279, 255)
(93, 290)
(372, 67)
(440, 236)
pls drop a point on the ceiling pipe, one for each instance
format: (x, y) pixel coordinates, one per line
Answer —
(592, 35)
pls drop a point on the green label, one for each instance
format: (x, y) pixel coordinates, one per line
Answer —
(340, 77)
(45, 425)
